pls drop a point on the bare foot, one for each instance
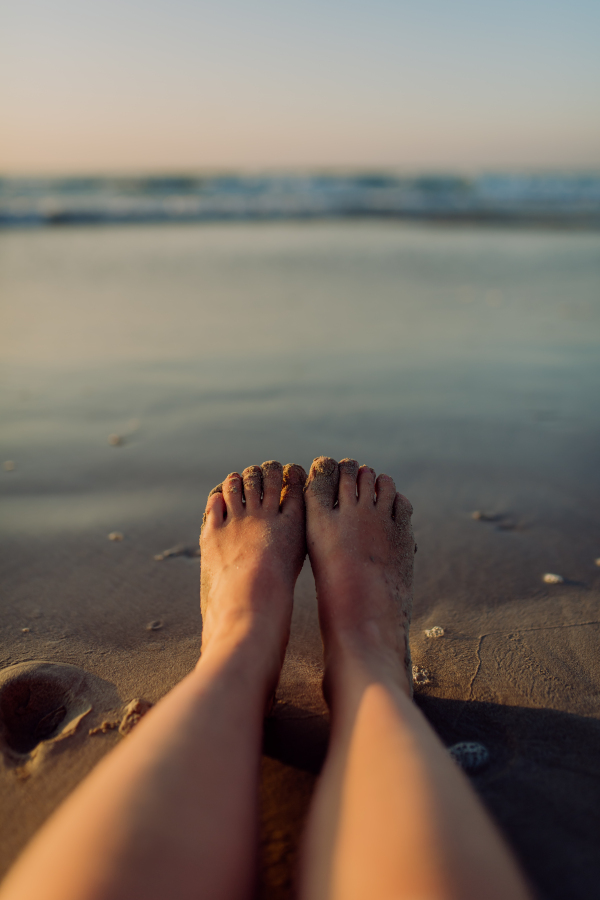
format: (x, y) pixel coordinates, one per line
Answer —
(361, 548)
(253, 546)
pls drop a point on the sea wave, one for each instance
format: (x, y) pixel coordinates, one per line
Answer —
(572, 199)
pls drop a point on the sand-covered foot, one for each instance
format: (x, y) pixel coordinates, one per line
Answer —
(361, 548)
(253, 545)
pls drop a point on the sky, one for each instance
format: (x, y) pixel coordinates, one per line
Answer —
(92, 86)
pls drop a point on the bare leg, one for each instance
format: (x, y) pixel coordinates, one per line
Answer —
(173, 811)
(393, 817)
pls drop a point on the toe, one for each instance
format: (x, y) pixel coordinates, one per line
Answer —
(232, 494)
(402, 510)
(292, 496)
(322, 484)
(347, 488)
(272, 482)
(252, 478)
(215, 508)
(366, 486)
(386, 493)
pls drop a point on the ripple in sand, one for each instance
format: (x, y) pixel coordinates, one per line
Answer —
(131, 715)
(178, 550)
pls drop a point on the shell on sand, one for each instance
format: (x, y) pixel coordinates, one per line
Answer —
(115, 536)
(421, 676)
(436, 631)
(470, 755)
(551, 578)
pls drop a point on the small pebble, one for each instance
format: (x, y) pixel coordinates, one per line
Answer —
(481, 516)
(25, 630)
(421, 676)
(115, 536)
(470, 755)
(115, 440)
(551, 578)
(155, 626)
(9, 466)
(436, 632)
(597, 561)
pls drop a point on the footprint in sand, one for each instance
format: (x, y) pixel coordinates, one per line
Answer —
(40, 703)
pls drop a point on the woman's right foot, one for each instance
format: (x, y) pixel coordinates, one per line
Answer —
(361, 548)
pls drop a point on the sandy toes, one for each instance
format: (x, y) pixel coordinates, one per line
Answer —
(361, 548)
(253, 546)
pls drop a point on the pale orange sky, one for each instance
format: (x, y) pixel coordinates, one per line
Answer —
(131, 86)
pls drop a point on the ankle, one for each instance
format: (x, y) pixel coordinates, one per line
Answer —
(249, 655)
(354, 661)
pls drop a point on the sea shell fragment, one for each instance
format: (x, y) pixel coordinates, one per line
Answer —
(551, 578)
(421, 676)
(470, 755)
(436, 631)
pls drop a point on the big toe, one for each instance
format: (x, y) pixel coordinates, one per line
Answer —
(323, 482)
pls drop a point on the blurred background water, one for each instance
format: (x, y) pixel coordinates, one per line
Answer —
(415, 348)
(569, 198)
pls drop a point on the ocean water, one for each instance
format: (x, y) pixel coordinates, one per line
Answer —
(446, 357)
(572, 199)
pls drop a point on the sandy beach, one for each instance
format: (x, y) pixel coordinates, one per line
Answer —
(463, 362)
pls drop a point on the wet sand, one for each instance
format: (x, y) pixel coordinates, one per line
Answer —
(483, 405)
